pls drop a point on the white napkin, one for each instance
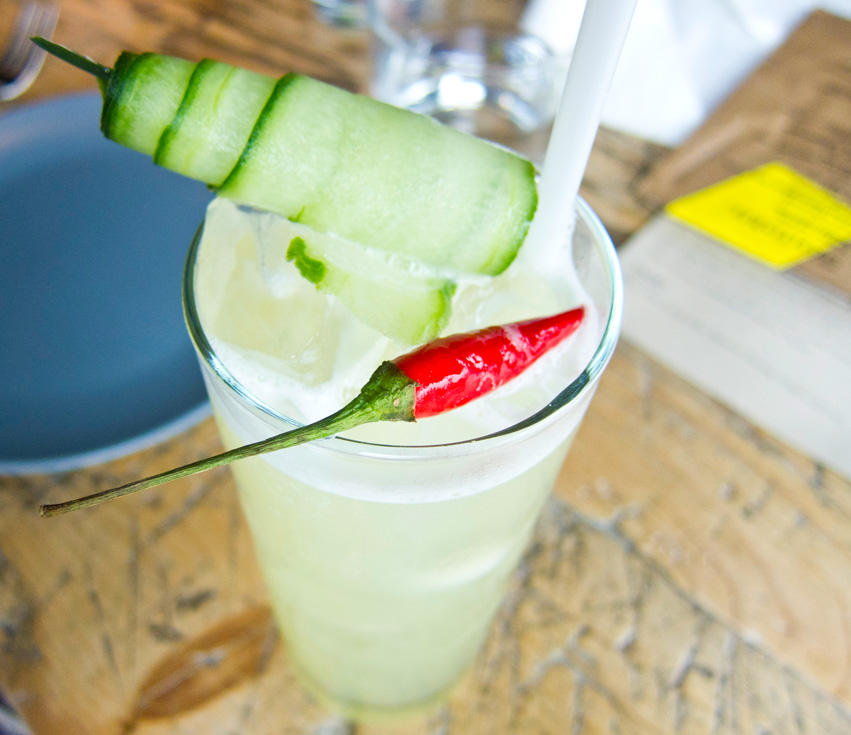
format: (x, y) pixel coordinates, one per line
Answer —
(681, 57)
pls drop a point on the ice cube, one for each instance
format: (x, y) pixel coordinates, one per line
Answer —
(291, 346)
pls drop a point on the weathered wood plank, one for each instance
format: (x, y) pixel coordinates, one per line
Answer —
(749, 528)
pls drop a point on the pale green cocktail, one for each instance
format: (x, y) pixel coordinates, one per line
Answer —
(385, 559)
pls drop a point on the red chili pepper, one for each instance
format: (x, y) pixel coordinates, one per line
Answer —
(454, 370)
(432, 379)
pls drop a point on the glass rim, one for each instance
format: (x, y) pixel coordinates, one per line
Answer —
(587, 377)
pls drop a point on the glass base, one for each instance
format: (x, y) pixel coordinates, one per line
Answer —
(372, 713)
(494, 124)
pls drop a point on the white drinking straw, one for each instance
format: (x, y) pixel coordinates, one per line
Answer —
(595, 57)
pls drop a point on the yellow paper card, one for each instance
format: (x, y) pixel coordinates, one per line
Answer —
(772, 214)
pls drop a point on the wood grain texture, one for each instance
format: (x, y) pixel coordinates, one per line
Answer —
(691, 574)
(794, 109)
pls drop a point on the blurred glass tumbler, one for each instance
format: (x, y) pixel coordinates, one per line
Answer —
(341, 13)
(469, 64)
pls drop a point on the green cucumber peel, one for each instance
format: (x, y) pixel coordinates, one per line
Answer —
(389, 395)
(101, 72)
(170, 131)
(310, 268)
(111, 88)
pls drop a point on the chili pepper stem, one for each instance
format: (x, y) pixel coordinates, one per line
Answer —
(389, 395)
(72, 57)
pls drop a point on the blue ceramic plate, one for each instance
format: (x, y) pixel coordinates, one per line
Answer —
(95, 361)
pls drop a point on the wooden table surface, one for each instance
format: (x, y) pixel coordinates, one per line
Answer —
(691, 574)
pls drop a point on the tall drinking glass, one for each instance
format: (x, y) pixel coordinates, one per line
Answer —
(476, 65)
(385, 564)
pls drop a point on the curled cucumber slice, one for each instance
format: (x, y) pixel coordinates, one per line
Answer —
(371, 174)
